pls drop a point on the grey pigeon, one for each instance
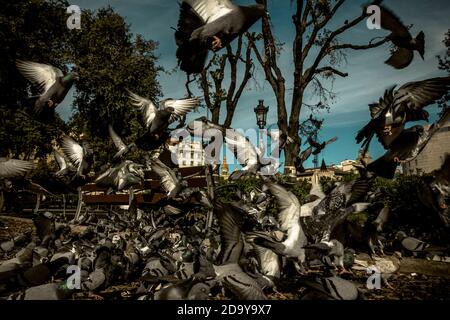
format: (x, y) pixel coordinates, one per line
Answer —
(399, 106)
(330, 288)
(53, 83)
(401, 37)
(318, 147)
(169, 180)
(210, 24)
(123, 176)
(157, 120)
(228, 271)
(81, 156)
(416, 246)
(406, 147)
(289, 221)
(122, 148)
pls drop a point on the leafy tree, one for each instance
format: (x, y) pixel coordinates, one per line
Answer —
(109, 60)
(444, 64)
(29, 30)
(317, 55)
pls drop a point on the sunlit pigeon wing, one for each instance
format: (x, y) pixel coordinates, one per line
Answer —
(211, 10)
(181, 107)
(230, 223)
(42, 75)
(146, 106)
(116, 139)
(243, 150)
(72, 150)
(14, 168)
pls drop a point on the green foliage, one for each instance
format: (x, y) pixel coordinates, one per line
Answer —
(29, 30)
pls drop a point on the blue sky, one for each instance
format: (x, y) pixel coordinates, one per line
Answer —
(368, 75)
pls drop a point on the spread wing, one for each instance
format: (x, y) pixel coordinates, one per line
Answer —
(14, 168)
(230, 223)
(146, 106)
(116, 139)
(211, 10)
(72, 150)
(243, 150)
(60, 160)
(181, 107)
(288, 206)
(313, 143)
(417, 95)
(390, 21)
(169, 181)
(42, 75)
(334, 139)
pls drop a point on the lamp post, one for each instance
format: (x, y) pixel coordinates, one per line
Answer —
(261, 114)
(261, 119)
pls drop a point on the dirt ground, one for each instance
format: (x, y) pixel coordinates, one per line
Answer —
(430, 281)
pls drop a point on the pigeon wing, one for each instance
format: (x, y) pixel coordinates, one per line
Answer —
(60, 160)
(168, 181)
(418, 95)
(181, 107)
(390, 21)
(230, 223)
(116, 139)
(243, 150)
(72, 150)
(400, 58)
(14, 168)
(211, 10)
(146, 106)
(42, 75)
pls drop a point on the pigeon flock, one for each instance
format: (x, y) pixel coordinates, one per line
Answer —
(255, 241)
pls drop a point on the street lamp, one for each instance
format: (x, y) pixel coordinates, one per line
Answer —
(261, 114)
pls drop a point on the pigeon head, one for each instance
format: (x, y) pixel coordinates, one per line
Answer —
(400, 235)
(72, 76)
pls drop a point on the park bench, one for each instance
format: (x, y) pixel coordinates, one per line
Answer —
(149, 193)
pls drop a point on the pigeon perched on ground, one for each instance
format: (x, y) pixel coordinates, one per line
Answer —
(401, 37)
(53, 83)
(417, 247)
(397, 107)
(330, 288)
(81, 156)
(13, 168)
(122, 148)
(210, 25)
(406, 147)
(228, 272)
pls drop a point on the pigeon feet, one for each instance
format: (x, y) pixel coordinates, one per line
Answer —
(387, 130)
(216, 44)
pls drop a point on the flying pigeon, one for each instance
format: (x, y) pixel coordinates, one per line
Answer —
(301, 158)
(406, 147)
(402, 39)
(65, 167)
(122, 148)
(289, 221)
(397, 107)
(156, 121)
(228, 271)
(53, 83)
(318, 147)
(123, 176)
(169, 180)
(210, 25)
(13, 168)
(81, 156)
